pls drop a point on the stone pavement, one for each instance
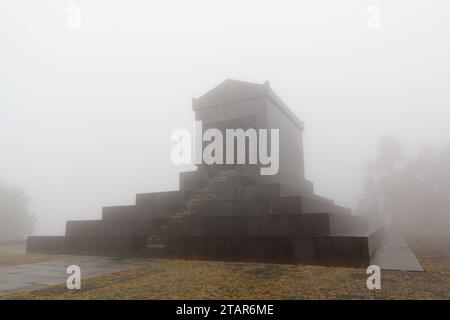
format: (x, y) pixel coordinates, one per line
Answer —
(394, 253)
(42, 274)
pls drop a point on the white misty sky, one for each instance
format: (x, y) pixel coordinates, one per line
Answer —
(86, 114)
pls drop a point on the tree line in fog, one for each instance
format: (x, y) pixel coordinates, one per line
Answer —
(16, 221)
(408, 192)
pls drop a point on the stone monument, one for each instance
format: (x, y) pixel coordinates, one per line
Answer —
(231, 211)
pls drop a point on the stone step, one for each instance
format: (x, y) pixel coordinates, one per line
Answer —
(155, 251)
(206, 193)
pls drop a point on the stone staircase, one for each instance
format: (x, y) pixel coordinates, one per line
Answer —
(207, 192)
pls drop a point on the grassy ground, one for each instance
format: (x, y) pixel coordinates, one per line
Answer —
(180, 279)
(12, 255)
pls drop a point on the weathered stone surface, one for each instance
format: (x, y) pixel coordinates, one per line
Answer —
(343, 251)
(335, 251)
(161, 204)
(251, 206)
(114, 227)
(119, 212)
(176, 246)
(303, 225)
(348, 224)
(271, 205)
(36, 244)
(285, 205)
(305, 250)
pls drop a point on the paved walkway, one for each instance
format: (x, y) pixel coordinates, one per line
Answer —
(42, 274)
(394, 253)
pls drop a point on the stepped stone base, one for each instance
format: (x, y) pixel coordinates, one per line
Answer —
(261, 229)
(186, 224)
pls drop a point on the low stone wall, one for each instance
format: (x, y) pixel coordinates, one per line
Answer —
(46, 244)
(329, 251)
(275, 205)
(161, 204)
(273, 225)
(119, 212)
(115, 227)
(104, 245)
(374, 240)
(149, 205)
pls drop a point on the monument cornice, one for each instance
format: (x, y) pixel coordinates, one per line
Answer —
(266, 93)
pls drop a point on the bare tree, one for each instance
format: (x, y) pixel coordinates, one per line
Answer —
(383, 195)
(15, 219)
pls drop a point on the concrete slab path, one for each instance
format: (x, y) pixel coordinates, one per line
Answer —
(42, 274)
(394, 253)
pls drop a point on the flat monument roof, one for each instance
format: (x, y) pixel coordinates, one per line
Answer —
(232, 91)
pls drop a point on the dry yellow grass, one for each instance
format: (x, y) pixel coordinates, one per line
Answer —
(15, 255)
(178, 279)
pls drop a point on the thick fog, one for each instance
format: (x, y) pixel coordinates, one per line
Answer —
(91, 90)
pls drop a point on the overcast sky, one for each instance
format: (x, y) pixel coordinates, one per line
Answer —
(87, 109)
